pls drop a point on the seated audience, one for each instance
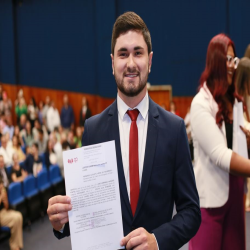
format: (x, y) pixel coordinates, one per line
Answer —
(40, 112)
(12, 219)
(3, 173)
(17, 173)
(6, 152)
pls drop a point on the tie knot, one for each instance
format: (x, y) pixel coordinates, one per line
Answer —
(133, 114)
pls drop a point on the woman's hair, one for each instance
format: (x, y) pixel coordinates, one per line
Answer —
(247, 52)
(215, 75)
(242, 81)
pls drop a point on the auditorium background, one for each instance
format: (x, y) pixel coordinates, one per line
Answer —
(65, 45)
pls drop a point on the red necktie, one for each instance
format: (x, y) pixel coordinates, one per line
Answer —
(133, 160)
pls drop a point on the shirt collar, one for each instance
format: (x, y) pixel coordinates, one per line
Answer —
(142, 106)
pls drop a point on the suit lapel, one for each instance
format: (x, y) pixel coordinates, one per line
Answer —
(115, 135)
(149, 152)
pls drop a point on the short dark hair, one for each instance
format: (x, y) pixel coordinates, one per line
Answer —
(35, 144)
(130, 21)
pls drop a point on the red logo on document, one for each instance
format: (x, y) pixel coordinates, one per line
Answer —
(75, 159)
(70, 161)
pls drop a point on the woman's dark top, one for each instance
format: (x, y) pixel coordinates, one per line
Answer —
(229, 134)
(18, 173)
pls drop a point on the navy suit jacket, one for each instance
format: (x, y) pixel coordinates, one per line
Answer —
(167, 177)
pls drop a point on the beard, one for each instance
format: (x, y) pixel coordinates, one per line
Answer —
(132, 89)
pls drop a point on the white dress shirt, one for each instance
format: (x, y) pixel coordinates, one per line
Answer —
(124, 129)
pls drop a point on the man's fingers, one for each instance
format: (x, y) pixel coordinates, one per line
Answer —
(59, 199)
(58, 217)
(133, 242)
(59, 208)
(134, 233)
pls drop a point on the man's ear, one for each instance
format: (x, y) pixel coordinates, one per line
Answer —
(150, 56)
(112, 59)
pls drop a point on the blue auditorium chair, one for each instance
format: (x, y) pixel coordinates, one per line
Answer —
(17, 199)
(32, 196)
(56, 180)
(8, 170)
(4, 233)
(44, 188)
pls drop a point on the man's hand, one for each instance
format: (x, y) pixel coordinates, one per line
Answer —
(139, 239)
(58, 211)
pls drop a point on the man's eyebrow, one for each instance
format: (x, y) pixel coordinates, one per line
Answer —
(125, 49)
(138, 47)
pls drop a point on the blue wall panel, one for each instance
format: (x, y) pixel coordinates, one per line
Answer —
(66, 45)
(7, 56)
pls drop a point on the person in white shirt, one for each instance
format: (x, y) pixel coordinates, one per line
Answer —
(6, 152)
(219, 171)
(53, 117)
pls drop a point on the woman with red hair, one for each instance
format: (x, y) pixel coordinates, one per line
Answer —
(219, 171)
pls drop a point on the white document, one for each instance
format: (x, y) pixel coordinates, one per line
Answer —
(239, 138)
(92, 183)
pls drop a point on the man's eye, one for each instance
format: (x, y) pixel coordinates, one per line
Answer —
(122, 54)
(138, 53)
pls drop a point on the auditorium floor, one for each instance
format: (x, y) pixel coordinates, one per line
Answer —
(41, 237)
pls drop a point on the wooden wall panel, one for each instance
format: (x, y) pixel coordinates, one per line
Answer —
(96, 103)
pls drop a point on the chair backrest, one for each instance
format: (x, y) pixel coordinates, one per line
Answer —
(8, 170)
(29, 186)
(42, 178)
(54, 172)
(15, 192)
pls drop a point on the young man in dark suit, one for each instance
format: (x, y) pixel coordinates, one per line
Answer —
(153, 159)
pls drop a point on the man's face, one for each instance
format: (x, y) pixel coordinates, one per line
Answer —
(131, 63)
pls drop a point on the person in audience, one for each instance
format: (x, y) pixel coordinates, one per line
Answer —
(42, 142)
(242, 83)
(12, 219)
(173, 108)
(219, 171)
(3, 173)
(67, 115)
(53, 118)
(50, 156)
(16, 145)
(21, 109)
(5, 105)
(45, 110)
(33, 163)
(27, 135)
(32, 111)
(6, 152)
(22, 122)
(8, 128)
(85, 112)
(71, 140)
(17, 174)
(78, 137)
(40, 112)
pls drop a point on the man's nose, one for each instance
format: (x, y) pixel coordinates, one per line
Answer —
(131, 62)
